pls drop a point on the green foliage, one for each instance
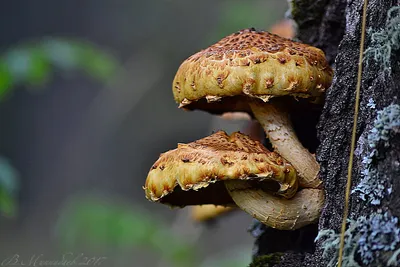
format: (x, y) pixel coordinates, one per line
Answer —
(8, 188)
(268, 260)
(32, 63)
(386, 41)
(100, 224)
(239, 15)
(236, 257)
(81, 56)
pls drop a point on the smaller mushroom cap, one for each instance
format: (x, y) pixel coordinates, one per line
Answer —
(250, 63)
(192, 174)
(204, 213)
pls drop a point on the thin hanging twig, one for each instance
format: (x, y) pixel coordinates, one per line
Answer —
(353, 137)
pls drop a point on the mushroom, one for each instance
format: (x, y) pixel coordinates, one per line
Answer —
(189, 174)
(204, 213)
(200, 173)
(288, 214)
(244, 72)
(251, 128)
(283, 28)
(236, 116)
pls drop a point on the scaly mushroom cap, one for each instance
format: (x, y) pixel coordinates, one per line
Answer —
(250, 63)
(191, 174)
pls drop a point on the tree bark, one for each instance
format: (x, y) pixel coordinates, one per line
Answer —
(335, 27)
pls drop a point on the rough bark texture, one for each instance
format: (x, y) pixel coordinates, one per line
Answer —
(335, 26)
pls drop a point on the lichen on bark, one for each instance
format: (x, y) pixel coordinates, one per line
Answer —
(337, 32)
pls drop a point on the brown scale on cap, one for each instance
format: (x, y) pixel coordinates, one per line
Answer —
(244, 64)
(219, 157)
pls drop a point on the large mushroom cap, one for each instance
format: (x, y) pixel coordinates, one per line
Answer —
(192, 174)
(250, 63)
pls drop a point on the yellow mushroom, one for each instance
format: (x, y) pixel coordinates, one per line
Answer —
(200, 173)
(255, 72)
(191, 174)
(243, 72)
(203, 213)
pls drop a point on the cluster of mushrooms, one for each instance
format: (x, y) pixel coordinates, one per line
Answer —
(262, 74)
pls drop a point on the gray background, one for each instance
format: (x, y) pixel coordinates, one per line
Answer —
(77, 136)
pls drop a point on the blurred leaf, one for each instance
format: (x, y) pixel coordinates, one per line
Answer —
(28, 65)
(18, 61)
(39, 67)
(32, 63)
(173, 248)
(8, 188)
(6, 79)
(8, 176)
(93, 222)
(97, 65)
(73, 54)
(61, 52)
(7, 203)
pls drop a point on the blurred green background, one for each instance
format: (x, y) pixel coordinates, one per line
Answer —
(86, 108)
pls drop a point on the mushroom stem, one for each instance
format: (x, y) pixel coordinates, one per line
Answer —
(283, 214)
(276, 123)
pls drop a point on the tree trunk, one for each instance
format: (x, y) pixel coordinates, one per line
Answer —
(335, 27)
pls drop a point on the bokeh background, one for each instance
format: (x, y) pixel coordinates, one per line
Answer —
(86, 108)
